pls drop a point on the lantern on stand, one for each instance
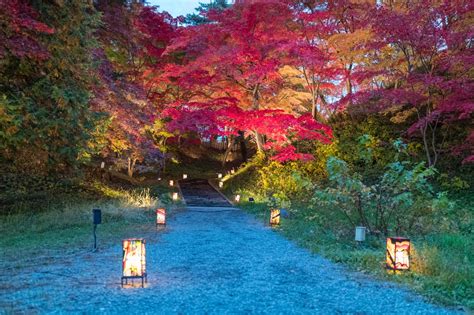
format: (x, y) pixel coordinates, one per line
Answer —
(398, 253)
(185, 176)
(237, 198)
(171, 182)
(175, 196)
(160, 216)
(133, 260)
(274, 216)
(360, 233)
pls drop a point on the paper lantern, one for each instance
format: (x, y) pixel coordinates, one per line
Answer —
(232, 171)
(274, 216)
(133, 260)
(360, 233)
(175, 196)
(219, 175)
(171, 183)
(221, 184)
(237, 198)
(160, 216)
(185, 176)
(398, 253)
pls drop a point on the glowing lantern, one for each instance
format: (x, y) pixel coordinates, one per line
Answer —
(232, 171)
(274, 216)
(171, 182)
(133, 260)
(185, 176)
(398, 253)
(219, 175)
(237, 198)
(221, 184)
(160, 216)
(175, 196)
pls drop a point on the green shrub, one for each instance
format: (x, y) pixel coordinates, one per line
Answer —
(399, 200)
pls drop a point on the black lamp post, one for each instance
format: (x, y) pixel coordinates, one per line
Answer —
(97, 219)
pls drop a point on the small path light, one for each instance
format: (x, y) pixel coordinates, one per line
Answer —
(171, 182)
(133, 260)
(219, 175)
(96, 219)
(160, 216)
(274, 216)
(360, 233)
(175, 196)
(185, 176)
(237, 198)
(232, 171)
(398, 253)
(221, 184)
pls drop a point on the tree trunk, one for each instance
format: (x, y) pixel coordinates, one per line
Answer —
(314, 110)
(243, 146)
(256, 106)
(228, 149)
(259, 141)
(131, 166)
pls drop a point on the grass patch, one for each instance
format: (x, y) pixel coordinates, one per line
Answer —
(441, 268)
(64, 223)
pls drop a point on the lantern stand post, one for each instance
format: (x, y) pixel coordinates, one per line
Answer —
(97, 219)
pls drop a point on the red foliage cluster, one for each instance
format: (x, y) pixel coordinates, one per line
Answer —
(20, 29)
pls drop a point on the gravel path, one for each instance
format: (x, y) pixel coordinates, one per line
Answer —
(207, 261)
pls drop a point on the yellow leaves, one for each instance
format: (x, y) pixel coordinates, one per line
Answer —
(350, 45)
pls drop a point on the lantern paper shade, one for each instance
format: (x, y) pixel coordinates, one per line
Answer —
(398, 253)
(274, 216)
(175, 196)
(221, 184)
(185, 176)
(171, 183)
(219, 175)
(160, 216)
(360, 233)
(237, 198)
(232, 171)
(133, 260)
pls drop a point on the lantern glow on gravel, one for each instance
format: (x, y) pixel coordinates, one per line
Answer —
(160, 216)
(274, 216)
(133, 260)
(398, 253)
